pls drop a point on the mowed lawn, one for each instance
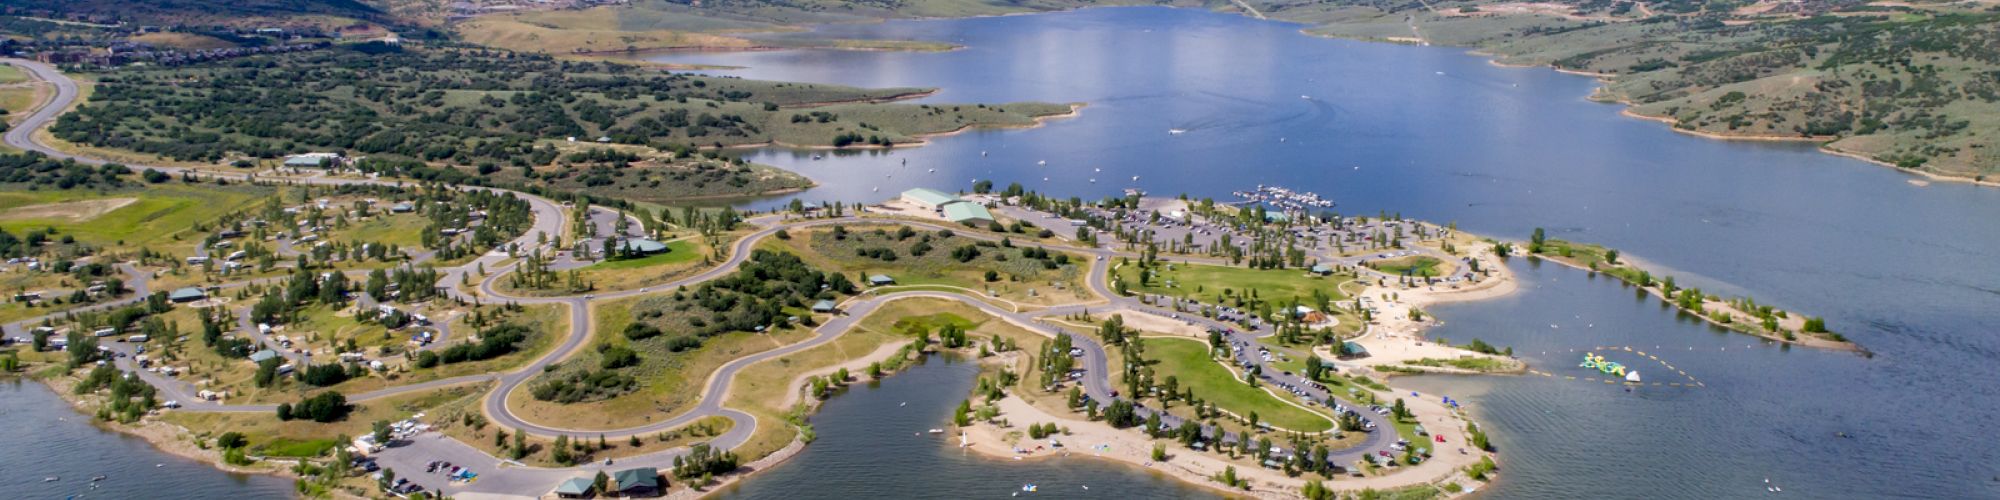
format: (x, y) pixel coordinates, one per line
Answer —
(11, 74)
(678, 251)
(1209, 283)
(155, 214)
(1189, 362)
(1419, 266)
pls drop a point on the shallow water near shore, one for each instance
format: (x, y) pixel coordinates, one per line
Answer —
(44, 438)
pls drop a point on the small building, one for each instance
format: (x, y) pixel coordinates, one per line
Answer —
(575, 487)
(312, 160)
(823, 306)
(402, 208)
(189, 294)
(260, 356)
(967, 213)
(929, 199)
(1322, 269)
(881, 280)
(637, 482)
(1349, 350)
(642, 246)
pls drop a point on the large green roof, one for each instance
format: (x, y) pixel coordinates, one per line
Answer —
(641, 476)
(961, 212)
(931, 196)
(574, 486)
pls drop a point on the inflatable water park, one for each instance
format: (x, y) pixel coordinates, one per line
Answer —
(1607, 367)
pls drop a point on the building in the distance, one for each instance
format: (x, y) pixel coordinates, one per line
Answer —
(929, 199)
(965, 212)
(642, 246)
(189, 294)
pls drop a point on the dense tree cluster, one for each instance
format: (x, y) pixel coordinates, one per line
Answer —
(35, 169)
(329, 406)
(439, 105)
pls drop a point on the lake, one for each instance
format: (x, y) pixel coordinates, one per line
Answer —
(1910, 272)
(74, 451)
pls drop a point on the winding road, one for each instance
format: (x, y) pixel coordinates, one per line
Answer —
(550, 219)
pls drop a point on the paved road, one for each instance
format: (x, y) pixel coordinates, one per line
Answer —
(549, 222)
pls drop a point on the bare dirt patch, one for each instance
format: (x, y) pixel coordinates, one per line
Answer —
(74, 211)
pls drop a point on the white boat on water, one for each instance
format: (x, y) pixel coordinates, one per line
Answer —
(1175, 131)
(1632, 376)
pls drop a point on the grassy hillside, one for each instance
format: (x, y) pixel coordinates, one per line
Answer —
(1910, 85)
(196, 11)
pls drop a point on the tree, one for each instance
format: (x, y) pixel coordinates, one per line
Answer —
(267, 372)
(382, 432)
(1121, 414)
(325, 407)
(82, 349)
(1159, 452)
(231, 440)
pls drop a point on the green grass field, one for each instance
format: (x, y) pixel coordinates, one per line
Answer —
(1419, 266)
(1188, 361)
(11, 74)
(1212, 283)
(678, 251)
(405, 230)
(928, 323)
(158, 213)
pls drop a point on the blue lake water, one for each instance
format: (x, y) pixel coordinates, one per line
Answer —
(1911, 272)
(44, 438)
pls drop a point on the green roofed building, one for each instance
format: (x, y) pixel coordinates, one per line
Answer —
(189, 294)
(642, 246)
(881, 280)
(967, 213)
(823, 306)
(1352, 350)
(637, 482)
(260, 356)
(575, 487)
(929, 199)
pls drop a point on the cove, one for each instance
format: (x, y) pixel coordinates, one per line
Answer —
(873, 443)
